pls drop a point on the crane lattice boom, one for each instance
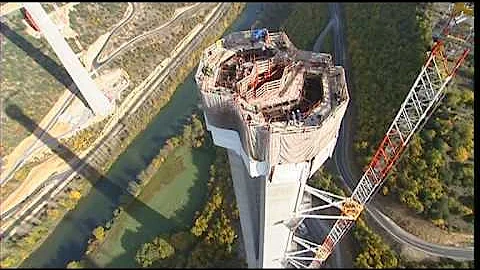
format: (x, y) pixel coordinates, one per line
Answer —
(441, 66)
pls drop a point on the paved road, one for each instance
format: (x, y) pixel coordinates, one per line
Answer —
(98, 63)
(33, 147)
(175, 60)
(128, 16)
(317, 47)
(341, 157)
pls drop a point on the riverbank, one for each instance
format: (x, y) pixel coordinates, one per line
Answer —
(97, 206)
(175, 193)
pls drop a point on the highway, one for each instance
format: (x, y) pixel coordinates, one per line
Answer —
(145, 89)
(35, 146)
(342, 155)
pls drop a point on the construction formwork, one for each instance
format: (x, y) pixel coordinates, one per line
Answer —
(279, 110)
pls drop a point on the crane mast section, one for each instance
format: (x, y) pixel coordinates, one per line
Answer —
(451, 47)
(425, 93)
(417, 107)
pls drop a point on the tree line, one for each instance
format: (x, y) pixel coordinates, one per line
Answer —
(210, 242)
(138, 122)
(193, 135)
(387, 45)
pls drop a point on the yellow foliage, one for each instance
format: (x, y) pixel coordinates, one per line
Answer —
(8, 262)
(74, 194)
(53, 213)
(439, 223)
(461, 154)
(466, 211)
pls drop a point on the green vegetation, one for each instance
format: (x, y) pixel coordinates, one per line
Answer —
(327, 45)
(273, 15)
(19, 176)
(209, 242)
(75, 265)
(144, 114)
(216, 226)
(18, 247)
(435, 175)
(149, 253)
(18, 64)
(325, 180)
(374, 253)
(147, 16)
(382, 72)
(84, 138)
(173, 171)
(304, 32)
(90, 20)
(193, 137)
(142, 58)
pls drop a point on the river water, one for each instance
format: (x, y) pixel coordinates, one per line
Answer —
(69, 240)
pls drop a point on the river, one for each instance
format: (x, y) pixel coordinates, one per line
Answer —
(69, 240)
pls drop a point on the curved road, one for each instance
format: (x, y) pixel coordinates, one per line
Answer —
(127, 17)
(64, 106)
(342, 154)
(97, 64)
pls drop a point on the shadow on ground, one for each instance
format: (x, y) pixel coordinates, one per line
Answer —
(181, 220)
(104, 185)
(56, 70)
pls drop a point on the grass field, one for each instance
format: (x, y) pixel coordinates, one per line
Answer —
(177, 190)
(23, 56)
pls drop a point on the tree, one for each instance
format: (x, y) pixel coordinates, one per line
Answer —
(146, 255)
(158, 249)
(75, 264)
(74, 194)
(374, 253)
(461, 154)
(443, 207)
(187, 134)
(201, 224)
(164, 249)
(429, 134)
(99, 233)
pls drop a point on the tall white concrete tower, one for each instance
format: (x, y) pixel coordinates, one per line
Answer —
(97, 101)
(278, 111)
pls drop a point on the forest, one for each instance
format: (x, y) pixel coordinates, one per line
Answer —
(372, 250)
(387, 45)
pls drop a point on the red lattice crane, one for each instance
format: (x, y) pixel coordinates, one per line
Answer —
(451, 47)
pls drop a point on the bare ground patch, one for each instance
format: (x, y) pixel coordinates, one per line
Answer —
(420, 227)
